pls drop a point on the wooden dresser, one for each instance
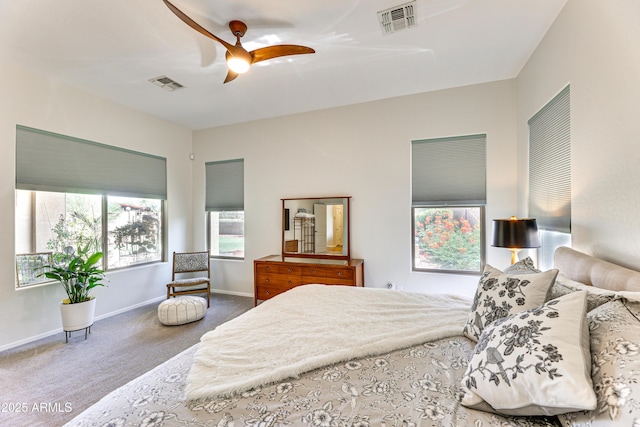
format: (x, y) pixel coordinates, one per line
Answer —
(273, 275)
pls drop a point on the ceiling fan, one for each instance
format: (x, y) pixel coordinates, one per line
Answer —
(239, 60)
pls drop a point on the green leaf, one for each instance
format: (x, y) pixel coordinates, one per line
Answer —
(94, 259)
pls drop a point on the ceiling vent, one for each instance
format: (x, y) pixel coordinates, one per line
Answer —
(166, 83)
(398, 18)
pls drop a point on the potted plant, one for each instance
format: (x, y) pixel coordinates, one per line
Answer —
(78, 275)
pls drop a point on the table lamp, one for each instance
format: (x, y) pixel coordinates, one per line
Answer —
(515, 234)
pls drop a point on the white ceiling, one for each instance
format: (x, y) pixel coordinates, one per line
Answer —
(112, 48)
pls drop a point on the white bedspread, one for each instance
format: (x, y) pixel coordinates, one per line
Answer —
(315, 325)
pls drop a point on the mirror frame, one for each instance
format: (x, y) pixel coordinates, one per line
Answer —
(286, 219)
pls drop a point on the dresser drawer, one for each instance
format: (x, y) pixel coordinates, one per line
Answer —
(267, 291)
(272, 279)
(340, 273)
(314, 271)
(308, 280)
(278, 269)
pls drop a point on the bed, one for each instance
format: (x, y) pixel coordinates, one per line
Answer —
(532, 348)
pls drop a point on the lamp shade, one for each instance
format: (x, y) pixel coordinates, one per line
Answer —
(515, 233)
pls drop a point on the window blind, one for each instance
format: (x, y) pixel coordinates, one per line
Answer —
(550, 164)
(225, 185)
(449, 171)
(47, 161)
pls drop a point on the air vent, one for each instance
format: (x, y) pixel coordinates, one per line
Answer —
(166, 83)
(398, 18)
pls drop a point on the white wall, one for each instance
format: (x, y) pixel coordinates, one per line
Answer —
(361, 151)
(38, 102)
(593, 45)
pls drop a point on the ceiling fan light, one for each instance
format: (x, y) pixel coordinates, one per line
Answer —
(238, 65)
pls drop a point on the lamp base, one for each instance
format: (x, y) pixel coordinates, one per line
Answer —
(514, 255)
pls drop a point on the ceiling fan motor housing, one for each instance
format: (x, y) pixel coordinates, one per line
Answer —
(238, 28)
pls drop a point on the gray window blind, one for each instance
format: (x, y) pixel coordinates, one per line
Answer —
(225, 185)
(449, 171)
(550, 165)
(47, 161)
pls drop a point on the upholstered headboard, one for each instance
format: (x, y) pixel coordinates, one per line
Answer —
(593, 271)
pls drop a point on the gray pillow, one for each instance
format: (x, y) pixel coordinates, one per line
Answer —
(615, 352)
(522, 267)
(595, 296)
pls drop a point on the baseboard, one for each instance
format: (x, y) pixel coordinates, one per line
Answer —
(238, 294)
(30, 339)
(59, 330)
(132, 307)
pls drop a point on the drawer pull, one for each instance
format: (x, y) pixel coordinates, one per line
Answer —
(339, 273)
(289, 270)
(313, 270)
(289, 282)
(267, 269)
(266, 280)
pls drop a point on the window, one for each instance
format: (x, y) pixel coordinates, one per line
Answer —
(68, 202)
(225, 207)
(448, 198)
(53, 223)
(550, 175)
(67, 223)
(226, 234)
(448, 238)
(135, 231)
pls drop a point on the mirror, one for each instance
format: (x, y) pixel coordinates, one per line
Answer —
(316, 227)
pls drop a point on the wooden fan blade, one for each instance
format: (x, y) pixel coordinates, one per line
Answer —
(231, 75)
(270, 52)
(193, 24)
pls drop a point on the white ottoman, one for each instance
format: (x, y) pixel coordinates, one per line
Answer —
(181, 310)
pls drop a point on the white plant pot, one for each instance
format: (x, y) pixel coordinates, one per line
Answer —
(77, 316)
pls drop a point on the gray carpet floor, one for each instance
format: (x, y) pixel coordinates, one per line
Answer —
(48, 382)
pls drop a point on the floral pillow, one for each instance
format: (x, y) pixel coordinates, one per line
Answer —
(499, 295)
(595, 296)
(536, 362)
(564, 285)
(615, 352)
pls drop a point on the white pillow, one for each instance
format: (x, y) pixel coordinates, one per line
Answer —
(615, 351)
(499, 295)
(536, 362)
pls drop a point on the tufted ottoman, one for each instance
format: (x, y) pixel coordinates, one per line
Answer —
(181, 310)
